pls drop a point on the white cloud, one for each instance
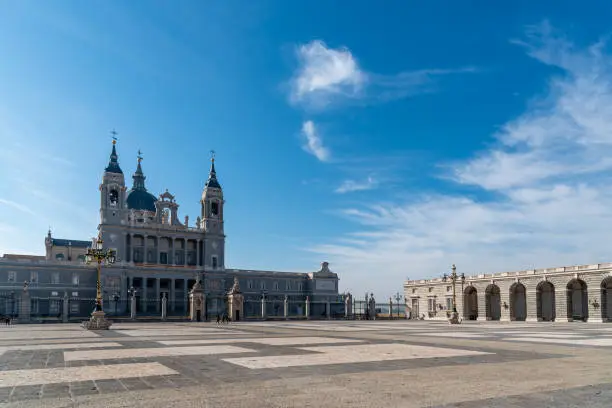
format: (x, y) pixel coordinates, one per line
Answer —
(17, 206)
(351, 185)
(326, 75)
(314, 142)
(549, 177)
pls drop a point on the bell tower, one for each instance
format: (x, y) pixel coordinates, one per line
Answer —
(212, 220)
(112, 191)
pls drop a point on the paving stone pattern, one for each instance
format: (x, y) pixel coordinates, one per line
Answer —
(41, 363)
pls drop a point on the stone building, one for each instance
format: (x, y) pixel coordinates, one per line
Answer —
(158, 255)
(570, 293)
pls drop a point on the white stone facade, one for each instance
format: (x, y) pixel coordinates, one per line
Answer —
(571, 293)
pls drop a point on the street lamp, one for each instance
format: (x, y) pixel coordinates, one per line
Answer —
(398, 297)
(454, 319)
(100, 256)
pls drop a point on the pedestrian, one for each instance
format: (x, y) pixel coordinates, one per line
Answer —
(218, 319)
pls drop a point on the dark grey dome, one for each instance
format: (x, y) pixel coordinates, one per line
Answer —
(141, 200)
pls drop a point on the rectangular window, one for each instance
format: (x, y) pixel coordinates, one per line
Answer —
(250, 284)
(54, 307)
(55, 278)
(74, 307)
(214, 262)
(431, 305)
(54, 294)
(75, 278)
(275, 285)
(12, 276)
(34, 277)
(75, 294)
(288, 285)
(262, 285)
(163, 258)
(449, 303)
(415, 307)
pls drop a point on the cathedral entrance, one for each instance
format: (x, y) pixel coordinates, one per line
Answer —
(493, 302)
(518, 302)
(545, 300)
(577, 300)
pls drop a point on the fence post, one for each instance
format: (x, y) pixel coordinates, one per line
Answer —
(327, 310)
(307, 307)
(164, 307)
(286, 304)
(133, 308)
(263, 306)
(65, 308)
(25, 307)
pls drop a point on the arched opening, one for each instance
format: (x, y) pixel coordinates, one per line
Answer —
(518, 302)
(545, 299)
(577, 300)
(606, 299)
(493, 302)
(470, 303)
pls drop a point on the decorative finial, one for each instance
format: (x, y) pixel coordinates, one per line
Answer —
(139, 156)
(114, 133)
(212, 156)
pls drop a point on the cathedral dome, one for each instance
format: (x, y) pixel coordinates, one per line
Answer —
(138, 197)
(141, 200)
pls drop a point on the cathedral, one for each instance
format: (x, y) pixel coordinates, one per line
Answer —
(158, 255)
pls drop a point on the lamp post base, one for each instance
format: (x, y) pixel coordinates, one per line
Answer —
(97, 321)
(454, 318)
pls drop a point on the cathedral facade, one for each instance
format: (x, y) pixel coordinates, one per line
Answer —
(158, 255)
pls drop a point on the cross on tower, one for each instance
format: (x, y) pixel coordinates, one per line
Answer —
(114, 133)
(139, 156)
(212, 155)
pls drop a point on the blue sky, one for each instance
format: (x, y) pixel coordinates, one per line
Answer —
(390, 141)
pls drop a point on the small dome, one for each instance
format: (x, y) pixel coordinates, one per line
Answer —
(141, 200)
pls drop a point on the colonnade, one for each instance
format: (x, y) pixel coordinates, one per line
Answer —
(575, 300)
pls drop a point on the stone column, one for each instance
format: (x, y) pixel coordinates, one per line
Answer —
(184, 251)
(307, 307)
(172, 294)
(532, 305)
(185, 293)
(164, 306)
(25, 307)
(504, 302)
(327, 310)
(197, 260)
(263, 307)
(133, 307)
(561, 305)
(144, 290)
(286, 308)
(65, 308)
(594, 298)
(482, 305)
(157, 293)
(145, 257)
(173, 251)
(348, 305)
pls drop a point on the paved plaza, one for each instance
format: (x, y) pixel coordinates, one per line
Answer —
(314, 363)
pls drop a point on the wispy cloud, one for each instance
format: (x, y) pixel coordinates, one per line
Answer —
(326, 75)
(348, 186)
(314, 142)
(549, 172)
(17, 206)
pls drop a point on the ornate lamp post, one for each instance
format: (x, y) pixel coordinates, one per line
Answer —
(98, 254)
(398, 297)
(454, 318)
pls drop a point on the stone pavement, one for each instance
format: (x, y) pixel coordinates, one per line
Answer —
(315, 363)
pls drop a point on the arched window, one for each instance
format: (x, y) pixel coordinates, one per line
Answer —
(81, 258)
(59, 257)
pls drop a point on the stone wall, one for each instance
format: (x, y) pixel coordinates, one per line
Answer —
(574, 293)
